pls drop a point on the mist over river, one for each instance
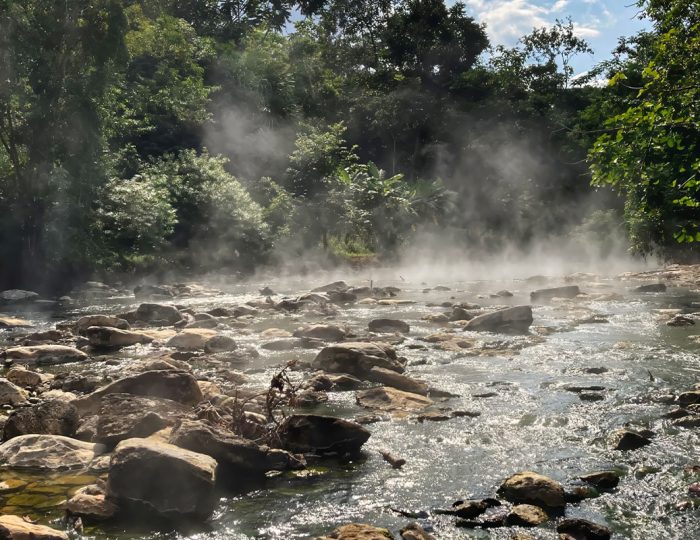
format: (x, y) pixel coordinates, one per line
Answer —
(546, 399)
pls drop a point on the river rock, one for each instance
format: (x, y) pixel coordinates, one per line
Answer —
(413, 531)
(602, 479)
(17, 528)
(526, 515)
(47, 452)
(518, 318)
(651, 288)
(108, 321)
(158, 313)
(469, 509)
(17, 296)
(581, 529)
(388, 326)
(91, 503)
(44, 354)
(191, 338)
(385, 398)
(11, 394)
(12, 322)
(218, 344)
(53, 417)
(125, 416)
(357, 358)
(311, 433)
(532, 488)
(681, 321)
(335, 286)
(324, 332)
(625, 439)
(108, 337)
(235, 454)
(24, 378)
(569, 291)
(689, 398)
(178, 386)
(387, 377)
(358, 531)
(170, 480)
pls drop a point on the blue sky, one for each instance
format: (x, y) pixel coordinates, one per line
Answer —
(600, 22)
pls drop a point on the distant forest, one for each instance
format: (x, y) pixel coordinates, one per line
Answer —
(138, 135)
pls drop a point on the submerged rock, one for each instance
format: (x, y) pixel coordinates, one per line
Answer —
(17, 528)
(172, 481)
(310, 433)
(53, 417)
(569, 291)
(357, 358)
(518, 318)
(47, 452)
(602, 479)
(389, 399)
(532, 488)
(413, 531)
(581, 529)
(44, 354)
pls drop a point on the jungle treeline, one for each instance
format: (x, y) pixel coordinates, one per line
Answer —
(224, 134)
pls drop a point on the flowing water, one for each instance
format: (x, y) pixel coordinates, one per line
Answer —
(528, 419)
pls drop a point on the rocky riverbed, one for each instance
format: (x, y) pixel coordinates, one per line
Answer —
(549, 407)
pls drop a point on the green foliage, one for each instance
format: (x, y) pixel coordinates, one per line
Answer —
(650, 151)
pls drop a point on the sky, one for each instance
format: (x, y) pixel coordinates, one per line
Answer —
(600, 22)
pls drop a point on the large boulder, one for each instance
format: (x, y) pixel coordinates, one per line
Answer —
(54, 417)
(158, 314)
(533, 488)
(175, 385)
(17, 528)
(324, 332)
(11, 394)
(388, 326)
(44, 354)
(230, 451)
(335, 286)
(357, 358)
(109, 321)
(125, 416)
(168, 479)
(311, 433)
(47, 452)
(569, 291)
(191, 338)
(108, 337)
(517, 319)
(385, 398)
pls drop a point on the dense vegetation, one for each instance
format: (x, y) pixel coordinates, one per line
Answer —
(146, 134)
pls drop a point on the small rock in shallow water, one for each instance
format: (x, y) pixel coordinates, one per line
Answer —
(532, 488)
(526, 515)
(414, 531)
(602, 479)
(625, 439)
(581, 529)
(358, 531)
(17, 528)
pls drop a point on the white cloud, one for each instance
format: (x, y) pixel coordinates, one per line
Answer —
(559, 5)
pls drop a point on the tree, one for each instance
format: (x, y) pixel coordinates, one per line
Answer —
(650, 152)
